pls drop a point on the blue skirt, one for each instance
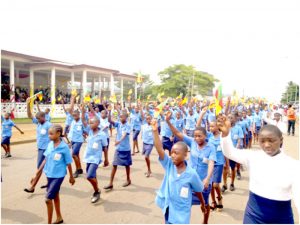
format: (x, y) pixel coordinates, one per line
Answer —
(53, 187)
(217, 175)
(262, 210)
(147, 148)
(167, 143)
(122, 158)
(205, 193)
(5, 141)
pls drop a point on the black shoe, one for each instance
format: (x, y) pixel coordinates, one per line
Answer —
(108, 187)
(80, 171)
(232, 188)
(28, 191)
(59, 222)
(7, 155)
(238, 175)
(75, 175)
(96, 197)
(224, 188)
(44, 186)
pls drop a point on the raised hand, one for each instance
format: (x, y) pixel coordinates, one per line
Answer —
(154, 125)
(168, 116)
(223, 124)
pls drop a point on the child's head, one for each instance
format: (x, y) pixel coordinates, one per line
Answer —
(55, 132)
(123, 116)
(6, 116)
(76, 115)
(256, 110)
(277, 116)
(200, 135)
(270, 139)
(249, 112)
(103, 114)
(178, 115)
(96, 109)
(232, 118)
(94, 123)
(148, 118)
(198, 109)
(40, 116)
(47, 110)
(244, 114)
(213, 127)
(190, 112)
(179, 153)
(136, 109)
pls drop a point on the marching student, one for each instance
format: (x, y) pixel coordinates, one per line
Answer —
(257, 123)
(271, 190)
(181, 178)
(218, 167)
(96, 143)
(47, 112)
(190, 123)
(147, 138)
(76, 137)
(57, 159)
(136, 119)
(250, 131)
(179, 124)
(202, 159)
(6, 134)
(69, 118)
(166, 133)
(122, 155)
(236, 136)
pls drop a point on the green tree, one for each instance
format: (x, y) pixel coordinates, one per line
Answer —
(185, 79)
(291, 93)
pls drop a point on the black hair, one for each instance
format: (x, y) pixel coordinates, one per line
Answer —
(290, 105)
(182, 145)
(58, 128)
(40, 114)
(272, 129)
(76, 111)
(202, 129)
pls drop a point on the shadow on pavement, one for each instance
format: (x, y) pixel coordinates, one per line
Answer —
(20, 216)
(119, 206)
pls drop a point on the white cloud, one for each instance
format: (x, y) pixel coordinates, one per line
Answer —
(249, 45)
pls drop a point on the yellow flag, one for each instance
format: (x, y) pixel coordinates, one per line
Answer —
(113, 99)
(87, 98)
(40, 96)
(183, 101)
(104, 98)
(74, 92)
(130, 92)
(217, 106)
(148, 97)
(59, 98)
(97, 101)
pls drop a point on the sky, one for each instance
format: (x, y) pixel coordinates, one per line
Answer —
(252, 46)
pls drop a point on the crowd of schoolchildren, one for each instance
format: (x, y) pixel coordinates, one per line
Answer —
(197, 149)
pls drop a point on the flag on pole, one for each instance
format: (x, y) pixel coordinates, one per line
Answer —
(158, 109)
(87, 98)
(218, 107)
(130, 92)
(74, 92)
(113, 99)
(139, 77)
(183, 101)
(219, 95)
(39, 96)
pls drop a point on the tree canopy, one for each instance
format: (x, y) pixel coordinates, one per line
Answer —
(291, 93)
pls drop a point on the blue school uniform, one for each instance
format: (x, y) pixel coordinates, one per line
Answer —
(199, 160)
(179, 123)
(147, 134)
(211, 116)
(69, 119)
(236, 134)
(244, 125)
(257, 118)
(220, 159)
(104, 124)
(135, 120)
(42, 139)
(175, 193)
(165, 129)
(57, 160)
(95, 144)
(7, 127)
(121, 130)
(47, 117)
(55, 168)
(76, 131)
(190, 122)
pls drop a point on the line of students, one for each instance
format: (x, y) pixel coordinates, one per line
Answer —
(206, 157)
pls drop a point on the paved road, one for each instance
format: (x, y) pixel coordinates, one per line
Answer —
(134, 204)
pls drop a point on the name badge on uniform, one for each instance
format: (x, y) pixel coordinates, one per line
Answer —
(79, 128)
(124, 133)
(219, 149)
(184, 192)
(150, 134)
(95, 145)
(43, 131)
(235, 137)
(6, 127)
(205, 160)
(57, 156)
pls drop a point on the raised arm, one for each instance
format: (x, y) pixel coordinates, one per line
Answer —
(37, 105)
(177, 133)
(157, 141)
(63, 105)
(91, 109)
(29, 113)
(109, 116)
(83, 115)
(203, 111)
(226, 143)
(19, 129)
(227, 106)
(72, 104)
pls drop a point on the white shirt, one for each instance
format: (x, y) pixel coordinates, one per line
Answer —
(280, 124)
(270, 177)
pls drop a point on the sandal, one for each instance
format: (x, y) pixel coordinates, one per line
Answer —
(58, 222)
(126, 184)
(28, 191)
(219, 207)
(147, 174)
(213, 206)
(108, 187)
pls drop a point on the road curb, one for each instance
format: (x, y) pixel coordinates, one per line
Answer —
(23, 142)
